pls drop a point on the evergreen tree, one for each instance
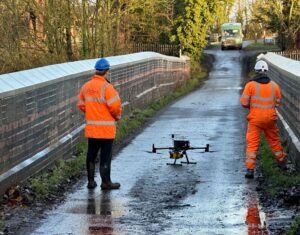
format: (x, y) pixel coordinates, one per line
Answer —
(193, 18)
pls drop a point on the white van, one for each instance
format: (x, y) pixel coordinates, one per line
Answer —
(232, 36)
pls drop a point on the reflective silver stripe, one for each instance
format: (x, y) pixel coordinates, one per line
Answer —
(100, 99)
(83, 90)
(91, 99)
(262, 98)
(249, 160)
(102, 96)
(272, 90)
(101, 123)
(263, 106)
(110, 101)
(278, 153)
(257, 95)
(245, 96)
(95, 99)
(251, 154)
(245, 103)
(81, 102)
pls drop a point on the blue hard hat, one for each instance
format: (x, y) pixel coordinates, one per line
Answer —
(102, 64)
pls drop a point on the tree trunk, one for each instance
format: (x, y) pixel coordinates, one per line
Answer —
(68, 32)
(84, 30)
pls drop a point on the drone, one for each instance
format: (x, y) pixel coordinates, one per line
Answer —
(179, 150)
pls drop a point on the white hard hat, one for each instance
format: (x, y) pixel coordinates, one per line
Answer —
(261, 66)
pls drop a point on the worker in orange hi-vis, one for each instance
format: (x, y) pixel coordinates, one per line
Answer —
(261, 96)
(101, 104)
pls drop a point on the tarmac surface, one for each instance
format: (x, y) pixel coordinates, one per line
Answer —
(209, 197)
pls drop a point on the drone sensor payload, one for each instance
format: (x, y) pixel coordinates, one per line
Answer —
(179, 150)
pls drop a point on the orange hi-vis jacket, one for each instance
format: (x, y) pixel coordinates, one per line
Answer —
(262, 96)
(102, 107)
(262, 100)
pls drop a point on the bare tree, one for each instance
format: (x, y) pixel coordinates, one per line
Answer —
(281, 17)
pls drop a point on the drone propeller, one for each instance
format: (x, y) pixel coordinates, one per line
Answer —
(210, 151)
(151, 152)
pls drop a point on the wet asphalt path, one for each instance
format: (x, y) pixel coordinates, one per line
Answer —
(210, 197)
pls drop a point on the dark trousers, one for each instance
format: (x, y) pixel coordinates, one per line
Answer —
(105, 147)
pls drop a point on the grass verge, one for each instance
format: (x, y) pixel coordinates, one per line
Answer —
(2, 224)
(261, 46)
(276, 179)
(295, 227)
(49, 179)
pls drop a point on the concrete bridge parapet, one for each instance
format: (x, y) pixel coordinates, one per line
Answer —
(286, 72)
(40, 122)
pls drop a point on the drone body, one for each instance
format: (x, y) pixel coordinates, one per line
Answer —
(179, 150)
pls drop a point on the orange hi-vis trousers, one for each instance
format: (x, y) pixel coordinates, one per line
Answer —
(253, 138)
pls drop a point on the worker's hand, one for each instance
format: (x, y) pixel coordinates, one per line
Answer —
(82, 108)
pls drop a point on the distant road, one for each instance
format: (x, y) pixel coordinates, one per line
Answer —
(245, 43)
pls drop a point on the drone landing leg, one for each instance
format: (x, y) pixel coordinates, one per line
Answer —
(187, 159)
(174, 163)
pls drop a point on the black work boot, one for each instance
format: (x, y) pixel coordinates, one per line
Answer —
(249, 174)
(91, 172)
(110, 186)
(91, 185)
(106, 181)
(282, 164)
